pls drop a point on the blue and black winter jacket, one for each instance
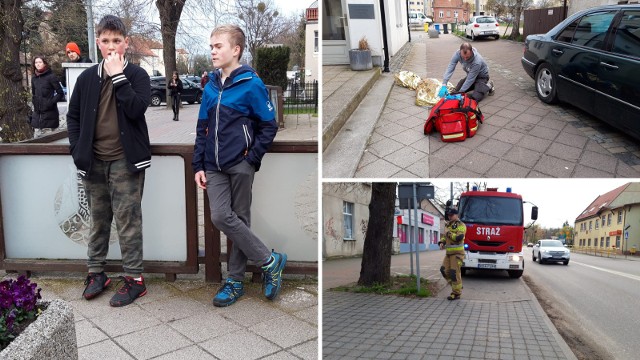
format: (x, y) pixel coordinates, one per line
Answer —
(236, 122)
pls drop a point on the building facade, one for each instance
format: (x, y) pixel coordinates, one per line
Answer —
(345, 216)
(312, 43)
(611, 221)
(345, 22)
(428, 230)
(450, 11)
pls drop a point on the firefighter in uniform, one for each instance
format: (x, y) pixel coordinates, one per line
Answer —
(453, 241)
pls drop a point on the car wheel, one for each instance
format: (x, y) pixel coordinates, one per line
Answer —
(463, 271)
(566, 262)
(473, 36)
(199, 98)
(546, 85)
(533, 257)
(155, 100)
(540, 259)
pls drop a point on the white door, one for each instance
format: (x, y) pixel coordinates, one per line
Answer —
(335, 32)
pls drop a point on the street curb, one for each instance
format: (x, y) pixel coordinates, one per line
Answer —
(563, 344)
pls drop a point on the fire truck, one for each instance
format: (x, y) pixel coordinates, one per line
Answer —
(495, 230)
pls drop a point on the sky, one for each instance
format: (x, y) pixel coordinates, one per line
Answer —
(558, 200)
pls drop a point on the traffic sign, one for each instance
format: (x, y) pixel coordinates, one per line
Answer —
(626, 235)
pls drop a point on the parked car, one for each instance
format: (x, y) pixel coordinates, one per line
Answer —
(482, 26)
(529, 244)
(551, 250)
(191, 92)
(192, 78)
(591, 60)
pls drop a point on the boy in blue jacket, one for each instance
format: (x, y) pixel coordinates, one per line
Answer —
(236, 125)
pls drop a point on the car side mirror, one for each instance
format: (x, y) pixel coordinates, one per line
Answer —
(534, 213)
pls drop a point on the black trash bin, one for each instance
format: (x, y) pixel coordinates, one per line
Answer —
(446, 30)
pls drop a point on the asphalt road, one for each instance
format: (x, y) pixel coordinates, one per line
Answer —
(596, 296)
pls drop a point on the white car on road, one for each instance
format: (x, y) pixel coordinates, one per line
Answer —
(482, 26)
(551, 250)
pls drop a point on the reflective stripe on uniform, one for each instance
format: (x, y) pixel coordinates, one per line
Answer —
(452, 248)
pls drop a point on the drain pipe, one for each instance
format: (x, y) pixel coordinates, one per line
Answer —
(383, 18)
(408, 24)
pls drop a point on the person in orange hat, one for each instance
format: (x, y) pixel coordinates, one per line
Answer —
(73, 53)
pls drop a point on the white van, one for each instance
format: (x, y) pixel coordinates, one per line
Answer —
(417, 18)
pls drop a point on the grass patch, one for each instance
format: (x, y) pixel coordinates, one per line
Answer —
(299, 110)
(403, 285)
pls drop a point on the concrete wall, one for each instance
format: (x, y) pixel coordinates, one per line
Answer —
(333, 196)
(632, 225)
(575, 6)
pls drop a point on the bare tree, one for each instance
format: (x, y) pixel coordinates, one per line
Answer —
(543, 4)
(376, 257)
(170, 12)
(261, 21)
(13, 97)
(294, 39)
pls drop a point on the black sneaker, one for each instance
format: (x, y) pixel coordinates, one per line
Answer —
(131, 290)
(96, 283)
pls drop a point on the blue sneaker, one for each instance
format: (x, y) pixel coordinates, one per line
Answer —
(228, 293)
(272, 276)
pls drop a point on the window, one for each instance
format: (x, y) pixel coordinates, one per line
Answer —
(455, 14)
(592, 29)
(589, 242)
(618, 241)
(609, 219)
(441, 14)
(627, 41)
(590, 227)
(347, 212)
(608, 242)
(619, 216)
(315, 41)
(597, 222)
(448, 13)
(603, 220)
(602, 242)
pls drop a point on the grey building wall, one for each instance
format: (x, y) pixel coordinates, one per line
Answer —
(575, 6)
(334, 243)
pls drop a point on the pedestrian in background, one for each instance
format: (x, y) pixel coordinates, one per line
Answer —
(477, 80)
(73, 53)
(46, 91)
(109, 143)
(454, 246)
(236, 125)
(204, 79)
(175, 86)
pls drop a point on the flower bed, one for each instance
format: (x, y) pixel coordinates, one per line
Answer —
(31, 329)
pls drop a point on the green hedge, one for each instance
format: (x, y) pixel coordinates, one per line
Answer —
(271, 65)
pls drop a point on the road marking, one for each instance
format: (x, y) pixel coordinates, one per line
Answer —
(633, 277)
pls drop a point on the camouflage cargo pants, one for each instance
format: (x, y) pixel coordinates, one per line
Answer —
(115, 193)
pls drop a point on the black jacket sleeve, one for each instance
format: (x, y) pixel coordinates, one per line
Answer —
(134, 95)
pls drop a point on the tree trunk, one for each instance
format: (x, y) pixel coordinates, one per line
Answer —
(376, 258)
(13, 96)
(170, 12)
(515, 32)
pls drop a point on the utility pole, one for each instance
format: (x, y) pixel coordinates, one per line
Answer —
(477, 12)
(91, 37)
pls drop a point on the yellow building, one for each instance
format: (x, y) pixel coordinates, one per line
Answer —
(611, 221)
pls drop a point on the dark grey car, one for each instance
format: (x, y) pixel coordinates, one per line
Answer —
(592, 61)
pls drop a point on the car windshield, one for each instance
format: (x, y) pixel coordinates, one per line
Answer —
(551, 243)
(491, 210)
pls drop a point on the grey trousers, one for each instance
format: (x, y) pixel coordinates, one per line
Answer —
(478, 90)
(229, 195)
(114, 192)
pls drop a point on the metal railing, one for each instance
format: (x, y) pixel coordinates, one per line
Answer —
(301, 97)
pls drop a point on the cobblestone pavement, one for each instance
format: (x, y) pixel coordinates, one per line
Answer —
(389, 327)
(521, 137)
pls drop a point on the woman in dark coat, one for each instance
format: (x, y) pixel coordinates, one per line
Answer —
(46, 92)
(175, 85)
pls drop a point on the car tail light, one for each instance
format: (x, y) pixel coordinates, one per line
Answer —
(497, 24)
(476, 25)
